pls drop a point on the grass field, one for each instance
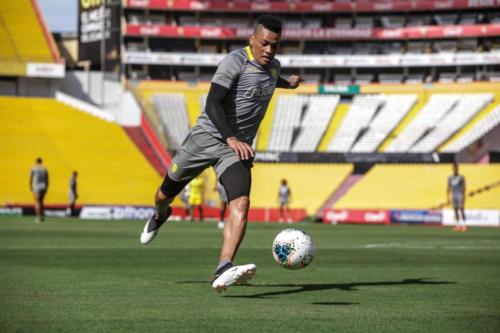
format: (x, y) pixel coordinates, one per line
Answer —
(94, 276)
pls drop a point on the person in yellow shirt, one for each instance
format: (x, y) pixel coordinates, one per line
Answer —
(196, 196)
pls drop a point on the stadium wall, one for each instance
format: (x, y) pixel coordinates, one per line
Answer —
(29, 87)
(442, 217)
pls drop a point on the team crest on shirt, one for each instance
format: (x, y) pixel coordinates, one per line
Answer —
(174, 167)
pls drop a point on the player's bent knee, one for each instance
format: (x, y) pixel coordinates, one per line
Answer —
(170, 188)
(240, 204)
(237, 180)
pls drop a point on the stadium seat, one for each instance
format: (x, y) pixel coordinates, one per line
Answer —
(111, 169)
(391, 113)
(287, 118)
(20, 19)
(22, 38)
(171, 110)
(481, 128)
(419, 187)
(360, 113)
(466, 108)
(311, 184)
(437, 106)
(317, 116)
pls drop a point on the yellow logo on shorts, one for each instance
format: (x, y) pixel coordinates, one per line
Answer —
(175, 167)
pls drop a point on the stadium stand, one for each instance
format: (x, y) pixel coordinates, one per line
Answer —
(309, 32)
(419, 187)
(23, 38)
(310, 184)
(185, 45)
(437, 106)
(317, 116)
(171, 109)
(265, 129)
(481, 128)
(333, 126)
(111, 169)
(466, 108)
(394, 109)
(287, 119)
(361, 111)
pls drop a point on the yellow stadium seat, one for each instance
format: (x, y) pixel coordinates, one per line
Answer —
(419, 187)
(311, 184)
(22, 34)
(111, 169)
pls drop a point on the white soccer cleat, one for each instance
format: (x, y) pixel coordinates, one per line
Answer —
(152, 227)
(234, 275)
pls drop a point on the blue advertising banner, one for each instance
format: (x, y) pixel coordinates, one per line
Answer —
(416, 216)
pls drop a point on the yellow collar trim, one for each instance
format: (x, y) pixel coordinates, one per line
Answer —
(249, 53)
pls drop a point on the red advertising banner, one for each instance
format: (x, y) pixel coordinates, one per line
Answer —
(254, 214)
(363, 216)
(312, 6)
(424, 32)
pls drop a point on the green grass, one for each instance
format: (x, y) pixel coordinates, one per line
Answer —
(93, 276)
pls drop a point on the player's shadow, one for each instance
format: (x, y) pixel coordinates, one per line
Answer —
(334, 303)
(300, 288)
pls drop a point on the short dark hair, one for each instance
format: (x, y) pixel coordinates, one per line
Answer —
(38, 160)
(269, 22)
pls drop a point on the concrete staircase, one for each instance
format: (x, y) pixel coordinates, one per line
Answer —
(346, 185)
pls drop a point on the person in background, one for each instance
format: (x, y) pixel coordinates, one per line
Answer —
(39, 184)
(73, 194)
(284, 195)
(196, 197)
(456, 196)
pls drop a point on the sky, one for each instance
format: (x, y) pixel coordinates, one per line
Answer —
(60, 15)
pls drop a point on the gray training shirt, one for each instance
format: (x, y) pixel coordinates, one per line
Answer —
(251, 87)
(39, 178)
(457, 185)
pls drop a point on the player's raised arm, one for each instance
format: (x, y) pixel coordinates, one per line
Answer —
(292, 82)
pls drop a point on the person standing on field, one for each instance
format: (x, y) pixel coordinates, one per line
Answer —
(73, 194)
(456, 195)
(39, 185)
(284, 195)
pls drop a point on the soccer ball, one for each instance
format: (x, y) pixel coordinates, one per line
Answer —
(293, 249)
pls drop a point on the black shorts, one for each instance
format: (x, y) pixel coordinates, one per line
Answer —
(236, 180)
(40, 194)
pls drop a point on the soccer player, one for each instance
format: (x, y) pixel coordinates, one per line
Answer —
(239, 94)
(284, 195)
(223, 204)
(72, 195)
(456, 195)
(196, 197)
(39, 184)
